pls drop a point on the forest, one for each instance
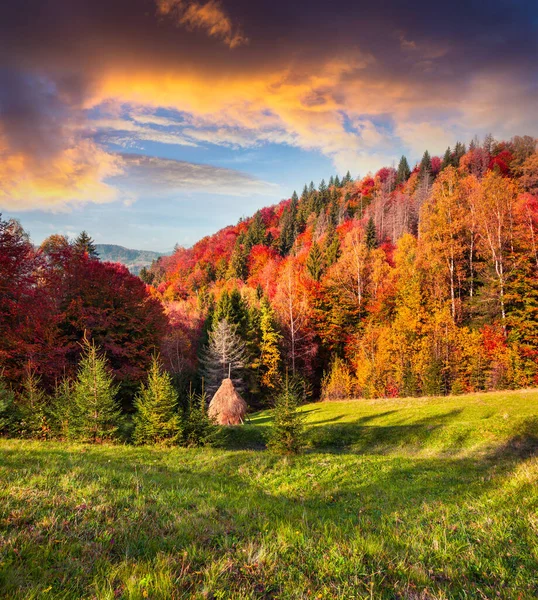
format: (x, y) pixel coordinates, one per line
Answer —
(416, 280)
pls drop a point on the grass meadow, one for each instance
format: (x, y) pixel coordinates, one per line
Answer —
(399, 499)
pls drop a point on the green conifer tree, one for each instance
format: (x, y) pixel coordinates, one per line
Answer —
(156, 420)
(371, 234)
(332, 249)
(447, 159)
(198, 429)
(287, 433)
(95, 396)
(314, 262)
(84, 243)
(425, 165)
(64, 416)
(403, 171)
(32, 402)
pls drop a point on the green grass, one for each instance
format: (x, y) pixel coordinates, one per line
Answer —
(409, 499)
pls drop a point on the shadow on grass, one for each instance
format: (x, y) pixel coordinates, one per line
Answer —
(357, 435)
(148, 504)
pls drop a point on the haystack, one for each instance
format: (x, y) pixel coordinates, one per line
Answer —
(227, 407)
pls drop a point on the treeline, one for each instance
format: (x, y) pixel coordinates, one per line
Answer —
(411, 281)
(406, 282)
(86, 408)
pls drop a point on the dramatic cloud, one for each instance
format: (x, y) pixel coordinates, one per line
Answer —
(80, 80)
(209, 17)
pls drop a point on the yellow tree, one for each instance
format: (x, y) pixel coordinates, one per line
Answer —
(494, 208)
(442, 232)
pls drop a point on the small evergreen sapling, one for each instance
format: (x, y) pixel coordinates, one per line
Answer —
(32, 405)
(287, 434)
(156, 420)
(95, 396)
(64, 415)
(198, 429)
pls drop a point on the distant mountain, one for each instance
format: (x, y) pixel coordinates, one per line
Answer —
(134, 260)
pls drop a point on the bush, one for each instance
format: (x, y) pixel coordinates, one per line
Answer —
(339, 383)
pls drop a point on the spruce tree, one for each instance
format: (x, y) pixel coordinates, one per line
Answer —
(84, 243)
(314, 262)
(32, 402)
(156, 420)
(238, 268)
(255, 233)
(447, 159)
(287, 433)
(64, 416)
(425, 165)
(371, 234)
(198, 429)
(332, 249)
(95, 396)
(403, 171)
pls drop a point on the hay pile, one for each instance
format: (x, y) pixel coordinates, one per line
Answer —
(227, 407)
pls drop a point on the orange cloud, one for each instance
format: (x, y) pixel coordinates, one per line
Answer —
(209, 17)
(74, 176)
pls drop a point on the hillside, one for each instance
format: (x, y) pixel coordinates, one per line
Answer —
(438, 500)
(416, 280)
(134, 260)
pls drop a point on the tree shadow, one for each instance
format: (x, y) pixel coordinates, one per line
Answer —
(153, 503)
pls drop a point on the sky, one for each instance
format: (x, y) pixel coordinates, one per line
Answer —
(155, 122)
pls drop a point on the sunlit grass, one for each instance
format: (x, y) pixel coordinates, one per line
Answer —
(397, 511)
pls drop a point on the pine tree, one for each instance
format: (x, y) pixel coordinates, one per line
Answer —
(337, 183)
(371, 234)
(287, 433)
(238, 268)
(425, 165)
(269, 362)
(289, 226)
(95, 396)
(347, 178)
(255, 233)
(32, 402)
(156, 420)
(459, 151)
(64, 415)
(447, 159)
(314, 262)
(403, 170)
(84, 243)
(331, 251)
(198, 429)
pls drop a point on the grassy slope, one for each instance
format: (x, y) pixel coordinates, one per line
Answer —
(425, 499)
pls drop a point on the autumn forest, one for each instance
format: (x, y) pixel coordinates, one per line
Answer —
(416, 280)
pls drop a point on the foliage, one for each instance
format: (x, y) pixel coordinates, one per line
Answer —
(287, 432)
(97, 412)
(156, 420)
(339, 383)
(198, 429)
